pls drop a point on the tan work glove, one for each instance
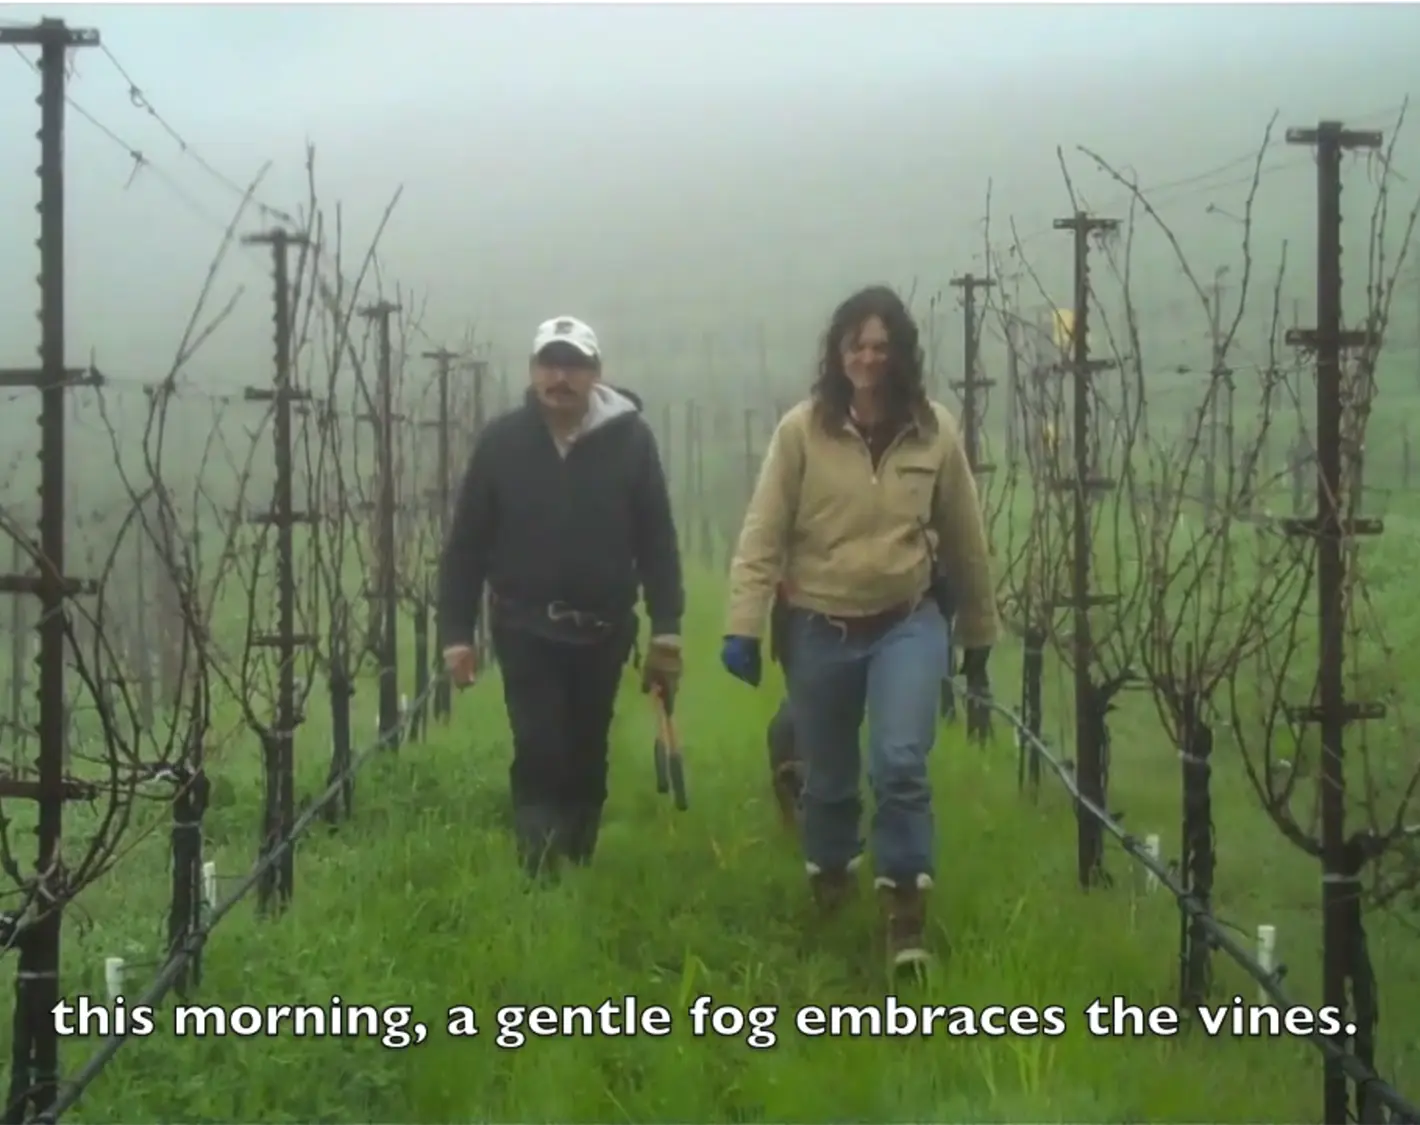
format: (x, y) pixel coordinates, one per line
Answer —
(662, 667)
(461, 661)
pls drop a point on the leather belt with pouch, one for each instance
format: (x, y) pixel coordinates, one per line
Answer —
(874, 624)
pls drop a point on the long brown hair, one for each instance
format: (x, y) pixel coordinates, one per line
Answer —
(904, 396)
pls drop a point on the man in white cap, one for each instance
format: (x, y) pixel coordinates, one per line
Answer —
(563, 512)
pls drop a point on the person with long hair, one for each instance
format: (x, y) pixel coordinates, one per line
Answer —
(866, 511)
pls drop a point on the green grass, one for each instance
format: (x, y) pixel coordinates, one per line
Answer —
(416, 903)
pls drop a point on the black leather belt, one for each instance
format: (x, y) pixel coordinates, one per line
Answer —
(553, 618)
(563, 614)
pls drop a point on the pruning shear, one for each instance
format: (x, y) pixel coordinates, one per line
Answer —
(670, 765)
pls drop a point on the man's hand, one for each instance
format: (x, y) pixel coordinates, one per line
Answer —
(461, 661)
(661, 669)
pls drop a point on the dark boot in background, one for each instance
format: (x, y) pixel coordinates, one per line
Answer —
(540, 837)
(786, 768)
(583, 826)
(788, 784)
(904, 911)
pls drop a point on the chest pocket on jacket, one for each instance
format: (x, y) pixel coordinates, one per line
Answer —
(913, 484)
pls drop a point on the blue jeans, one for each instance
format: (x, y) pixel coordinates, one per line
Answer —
(895, 679)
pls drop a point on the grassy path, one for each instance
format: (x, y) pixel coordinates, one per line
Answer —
(416, 903)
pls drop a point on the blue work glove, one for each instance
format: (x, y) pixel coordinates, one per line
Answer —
(740, 656)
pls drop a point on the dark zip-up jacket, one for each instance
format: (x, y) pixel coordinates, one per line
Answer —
(584, 530)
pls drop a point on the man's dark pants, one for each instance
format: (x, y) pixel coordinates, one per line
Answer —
(560, 697)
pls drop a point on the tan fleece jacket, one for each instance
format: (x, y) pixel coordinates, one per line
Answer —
(850, 542)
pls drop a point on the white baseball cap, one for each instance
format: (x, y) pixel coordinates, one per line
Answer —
(567, 330)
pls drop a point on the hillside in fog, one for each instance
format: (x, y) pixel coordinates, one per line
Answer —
(676, 174)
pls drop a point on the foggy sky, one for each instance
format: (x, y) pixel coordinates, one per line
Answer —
(669, 173)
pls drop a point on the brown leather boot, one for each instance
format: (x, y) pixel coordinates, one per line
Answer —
(832, 890)
(905, 921)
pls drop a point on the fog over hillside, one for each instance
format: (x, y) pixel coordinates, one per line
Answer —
(670, 173)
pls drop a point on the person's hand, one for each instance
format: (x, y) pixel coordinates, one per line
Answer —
(461, 662)
(662, 667)
(973, 667)
(978, 692)
(740, 656)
